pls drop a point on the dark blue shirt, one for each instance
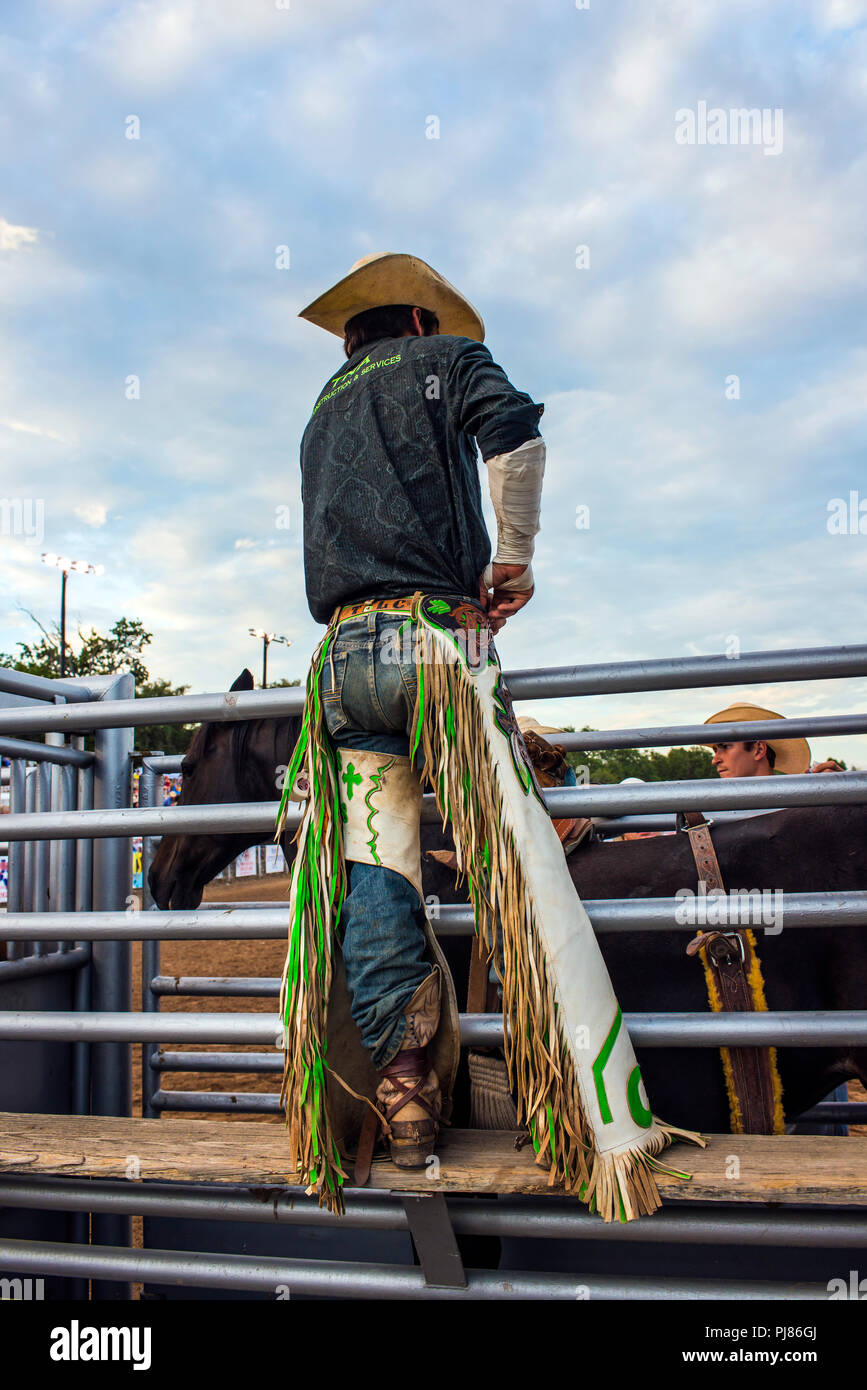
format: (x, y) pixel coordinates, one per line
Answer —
(389, 471)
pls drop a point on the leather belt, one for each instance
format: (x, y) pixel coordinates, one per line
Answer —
(730, 959)
(405, 603)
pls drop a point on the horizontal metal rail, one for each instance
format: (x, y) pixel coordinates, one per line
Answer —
(45, 752)
(217, 1061)
(218, 986)
(340, 1279)
(235, 904)
(554, 1218)
(680, 735)
(26, 967)
(840, 1112)
(656, 736)
(266, 1063)
(268, 1103)
(691, 672)
(841, 789)
(42, 687)
(196, 925)
(609, 826)
(821, 1029)
(219, 922)
(783, 1029)
(231, 1102)
(680, 673)
(162, 709)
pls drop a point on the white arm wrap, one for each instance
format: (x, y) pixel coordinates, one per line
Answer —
(515, 481)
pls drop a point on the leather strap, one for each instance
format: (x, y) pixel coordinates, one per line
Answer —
(370, 1127)
(730, 957)
(477, 988)
(703, 851)
(410, 1061)
(407, 1073)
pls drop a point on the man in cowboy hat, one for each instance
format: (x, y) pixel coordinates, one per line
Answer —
(393, 507)
(390, 484)
(764, 758)
(758, 757)
(761, 757)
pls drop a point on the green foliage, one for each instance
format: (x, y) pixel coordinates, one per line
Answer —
(99, 654)
(613, 764)
(102, 654)
(165, 738)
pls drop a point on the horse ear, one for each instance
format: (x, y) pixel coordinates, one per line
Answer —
(244, 681)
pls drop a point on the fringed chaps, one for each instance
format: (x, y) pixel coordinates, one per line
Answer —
(569, 1056)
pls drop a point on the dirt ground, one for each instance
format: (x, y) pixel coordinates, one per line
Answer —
(217, 958)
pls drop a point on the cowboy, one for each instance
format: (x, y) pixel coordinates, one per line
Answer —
(404, 685)
(757, 757)
(392, 505)
(767, 758)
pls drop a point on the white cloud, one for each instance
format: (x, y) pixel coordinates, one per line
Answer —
(26, 427)
(13, 238)
(92, 513)
(155, 44)
(839, 14)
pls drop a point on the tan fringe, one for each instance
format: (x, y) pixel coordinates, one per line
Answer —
(540, 1066)
(311, 1143)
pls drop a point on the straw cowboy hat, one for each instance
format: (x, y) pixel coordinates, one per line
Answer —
(525, 723)
(792, 754)
(390, 277)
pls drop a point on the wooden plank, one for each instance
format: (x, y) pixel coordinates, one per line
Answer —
(733, 1168)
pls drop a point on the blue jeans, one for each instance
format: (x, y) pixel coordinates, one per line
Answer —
(368, 703)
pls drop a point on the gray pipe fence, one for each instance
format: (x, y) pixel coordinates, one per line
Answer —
(72, 916)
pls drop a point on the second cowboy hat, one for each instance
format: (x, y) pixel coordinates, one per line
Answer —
(526, 722)
(390, 277)
(792, 754)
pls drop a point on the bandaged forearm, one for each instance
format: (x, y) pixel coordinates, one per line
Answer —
(515, 481)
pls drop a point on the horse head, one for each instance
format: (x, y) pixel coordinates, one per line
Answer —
(224, 764)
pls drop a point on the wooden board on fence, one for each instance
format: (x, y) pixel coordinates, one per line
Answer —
(733, 1168)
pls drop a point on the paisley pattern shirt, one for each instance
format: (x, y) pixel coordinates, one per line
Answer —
(389, 470)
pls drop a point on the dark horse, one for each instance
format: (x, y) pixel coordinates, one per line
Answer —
(799, 850)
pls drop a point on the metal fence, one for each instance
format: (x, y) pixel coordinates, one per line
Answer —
(71, 912)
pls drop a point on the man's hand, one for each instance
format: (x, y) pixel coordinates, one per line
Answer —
(502, 603)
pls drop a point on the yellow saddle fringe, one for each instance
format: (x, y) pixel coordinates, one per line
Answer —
(756, 983)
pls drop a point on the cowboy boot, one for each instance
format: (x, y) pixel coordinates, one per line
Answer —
(409, 1094)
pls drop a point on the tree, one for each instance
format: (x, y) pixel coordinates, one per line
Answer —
(103, 654)
(613, 764)
(99, 655)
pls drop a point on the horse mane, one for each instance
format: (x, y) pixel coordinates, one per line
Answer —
(239, 747)
(248, 767)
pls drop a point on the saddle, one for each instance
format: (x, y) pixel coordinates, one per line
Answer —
(550, 766)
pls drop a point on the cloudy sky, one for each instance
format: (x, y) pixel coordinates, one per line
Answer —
(701, 361)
